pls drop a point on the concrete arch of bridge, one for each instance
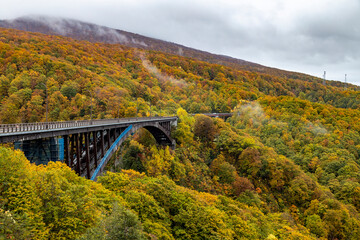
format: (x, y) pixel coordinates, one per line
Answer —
(161, 135)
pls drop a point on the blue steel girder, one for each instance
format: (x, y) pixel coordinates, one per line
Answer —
(110, 151)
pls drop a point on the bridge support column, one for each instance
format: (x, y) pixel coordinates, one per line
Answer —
(94, 134)
(67, 150)
(78, 159)
(87, 154)
(72, 143)
(81, 139)
(102, 144)
(108, 138)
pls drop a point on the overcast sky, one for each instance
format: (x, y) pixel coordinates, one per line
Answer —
(308, 36)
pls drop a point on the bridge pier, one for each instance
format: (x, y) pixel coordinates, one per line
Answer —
(87, 154)
(94, 142)
(102, 144)
(40, 151)
(77, 139)
(67, 150)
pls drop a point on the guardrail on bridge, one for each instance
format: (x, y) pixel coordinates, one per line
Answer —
(25, 127)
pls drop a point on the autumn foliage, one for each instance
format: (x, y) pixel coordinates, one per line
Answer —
(284, 166)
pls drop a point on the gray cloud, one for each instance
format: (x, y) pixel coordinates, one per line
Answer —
(298, 35)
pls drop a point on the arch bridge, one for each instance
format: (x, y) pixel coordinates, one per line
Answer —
(87, 145)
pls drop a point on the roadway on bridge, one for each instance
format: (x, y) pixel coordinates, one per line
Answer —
(31, 131)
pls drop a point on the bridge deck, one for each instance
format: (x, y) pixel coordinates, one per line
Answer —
(29, 131)
(220, 115)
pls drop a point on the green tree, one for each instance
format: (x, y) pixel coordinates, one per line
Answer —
(183, 132)
(316, 225)
(204, 128)
(121, 224)
(134, 157)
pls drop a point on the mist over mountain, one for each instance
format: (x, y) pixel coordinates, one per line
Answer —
(94, 33)
(284, 166)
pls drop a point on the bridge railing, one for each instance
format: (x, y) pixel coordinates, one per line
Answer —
(26, 127)
(215, 114)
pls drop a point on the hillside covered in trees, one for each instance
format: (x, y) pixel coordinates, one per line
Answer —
(285, 166)
(94, 33)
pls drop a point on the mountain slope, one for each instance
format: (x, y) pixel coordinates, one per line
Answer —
(95, 33)
(285, 166)
(142, 79)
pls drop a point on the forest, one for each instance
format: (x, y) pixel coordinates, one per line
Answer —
(284, 166)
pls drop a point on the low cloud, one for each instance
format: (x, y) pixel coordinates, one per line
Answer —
(316, 129)
(299, 35)
(253, 112)
(162, 77)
